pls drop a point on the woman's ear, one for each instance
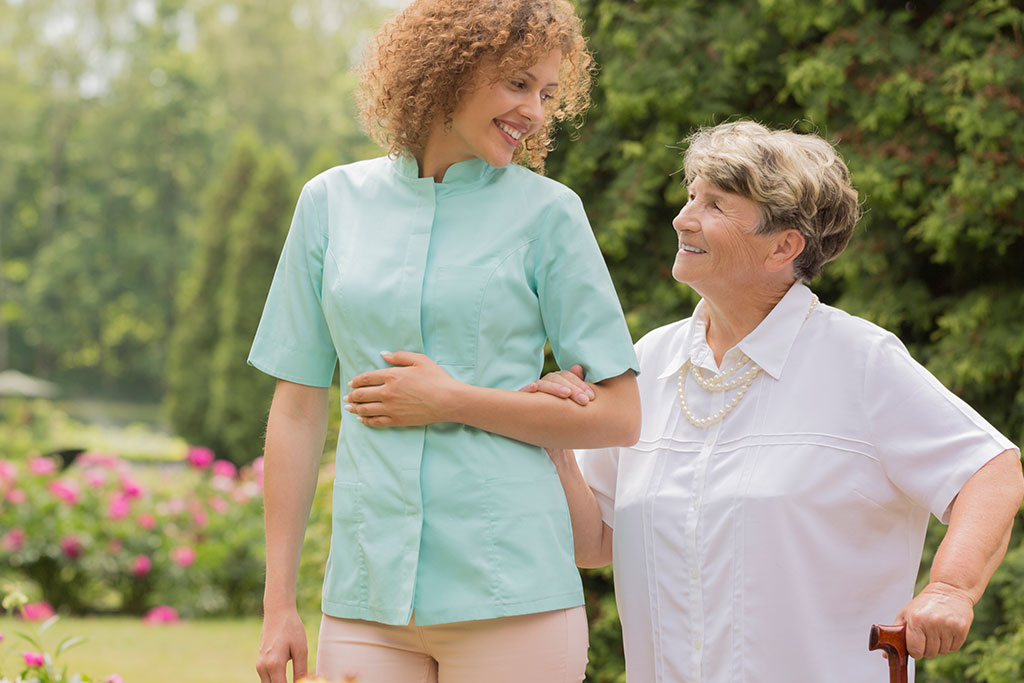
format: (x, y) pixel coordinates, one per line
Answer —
(787, 245)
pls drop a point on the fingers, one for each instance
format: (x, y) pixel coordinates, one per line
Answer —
(403, 357)
(300, 663)
(272, 670)
(577, 370)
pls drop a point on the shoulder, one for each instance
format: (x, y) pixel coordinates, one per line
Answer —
(347, 175)
(657, 347)
(851, 335)
(538, 188)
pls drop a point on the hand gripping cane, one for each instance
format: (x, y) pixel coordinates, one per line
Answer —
(892, 639)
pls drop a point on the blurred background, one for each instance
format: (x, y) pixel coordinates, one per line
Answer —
(151, 152)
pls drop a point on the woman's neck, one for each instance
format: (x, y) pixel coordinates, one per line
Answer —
(732, 316)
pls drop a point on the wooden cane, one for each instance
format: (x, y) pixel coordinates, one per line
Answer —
(892, 639)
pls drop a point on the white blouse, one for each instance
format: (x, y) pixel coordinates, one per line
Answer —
(761, 548)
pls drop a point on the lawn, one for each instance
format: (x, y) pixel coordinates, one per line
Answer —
(208, 651)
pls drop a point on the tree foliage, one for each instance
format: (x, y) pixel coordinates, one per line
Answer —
(924, 103)
(116, 116)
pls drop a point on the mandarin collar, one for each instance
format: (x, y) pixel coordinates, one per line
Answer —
(460, 175)
(768, 344)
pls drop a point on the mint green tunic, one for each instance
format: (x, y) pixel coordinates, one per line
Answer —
(476, 272)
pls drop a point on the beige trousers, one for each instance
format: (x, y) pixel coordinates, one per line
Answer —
(549, 647)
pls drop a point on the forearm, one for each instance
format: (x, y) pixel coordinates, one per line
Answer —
(979, 527)
(591, 537)
(296, 430)
(612, 419)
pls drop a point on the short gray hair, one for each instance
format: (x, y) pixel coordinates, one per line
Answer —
(798, 181)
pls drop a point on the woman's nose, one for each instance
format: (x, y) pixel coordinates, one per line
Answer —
(683, 220)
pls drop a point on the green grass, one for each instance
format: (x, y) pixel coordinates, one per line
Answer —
(208, 651)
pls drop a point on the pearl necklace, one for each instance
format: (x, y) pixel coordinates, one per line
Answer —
(723, 381)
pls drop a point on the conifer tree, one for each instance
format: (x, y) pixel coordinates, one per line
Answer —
(239, 395)
(197, 326)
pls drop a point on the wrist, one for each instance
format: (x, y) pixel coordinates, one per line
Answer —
(454, 400)
(951, 590)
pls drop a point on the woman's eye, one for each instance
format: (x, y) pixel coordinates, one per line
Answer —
(519, 85)
(545, 97)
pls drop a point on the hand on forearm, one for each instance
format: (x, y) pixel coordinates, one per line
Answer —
(611, 419)
(416, 391)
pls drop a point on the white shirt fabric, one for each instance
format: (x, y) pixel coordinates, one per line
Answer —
(762, 548)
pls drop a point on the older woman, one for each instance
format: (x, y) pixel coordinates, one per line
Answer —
(776, 503)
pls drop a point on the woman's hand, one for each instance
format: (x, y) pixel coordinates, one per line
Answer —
(563, 384)
(283, 639)
(937, 620)
(416, 391)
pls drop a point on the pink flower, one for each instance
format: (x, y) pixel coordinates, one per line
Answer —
(66, 490)
(115, 546)
(14, 539)
(98, 459)
(34, 659)
(130, 487)
(42, 466)
(120, 506)
(218, 504)
(223, 468)
(36, 611)
(183, 556)
(16, 497)
(8, 472)
(1, 637)
(161, 615)
(176, 505)
(71, 546)
(200, 518)
(95, 478)
(147, 521)
(199, 457)
(141, 565)
(113, 678)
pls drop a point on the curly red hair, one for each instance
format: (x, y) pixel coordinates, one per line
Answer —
(423, 60)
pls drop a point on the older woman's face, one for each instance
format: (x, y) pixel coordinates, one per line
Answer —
(717, 243)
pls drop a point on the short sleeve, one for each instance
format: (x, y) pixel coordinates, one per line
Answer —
(600, 468)
(293, 341)
(582, 315)
(929, 441)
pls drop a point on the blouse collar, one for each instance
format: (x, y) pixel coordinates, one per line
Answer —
(768, 344)
(459, 175)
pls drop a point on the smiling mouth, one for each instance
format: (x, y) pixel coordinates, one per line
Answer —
(690, 249)
(512, 135)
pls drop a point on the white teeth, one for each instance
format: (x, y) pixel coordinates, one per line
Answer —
(692, 250)
(513, 133)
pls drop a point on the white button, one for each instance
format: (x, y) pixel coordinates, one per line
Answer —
(696, 644)
(693, 573)
(696, 503)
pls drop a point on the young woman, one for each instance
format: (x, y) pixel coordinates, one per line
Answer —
(435, 275)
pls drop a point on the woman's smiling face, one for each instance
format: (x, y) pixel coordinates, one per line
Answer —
(497, 114)
(718, 245)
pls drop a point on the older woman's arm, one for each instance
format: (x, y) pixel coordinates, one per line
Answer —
(591, 537)
(939, 618)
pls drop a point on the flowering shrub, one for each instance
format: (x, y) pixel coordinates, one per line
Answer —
(104, 535)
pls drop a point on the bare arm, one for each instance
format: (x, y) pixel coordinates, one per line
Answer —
(296, 430)
(939, 618)
(591, 537)
(416, 391)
